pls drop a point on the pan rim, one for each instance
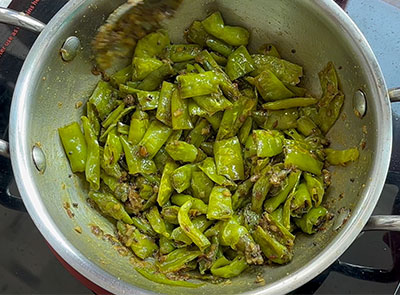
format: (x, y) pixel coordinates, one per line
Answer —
(21, 164)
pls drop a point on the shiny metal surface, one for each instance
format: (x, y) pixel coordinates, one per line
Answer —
(382, 222)
(39, 158)
(70, 48)
(4, 149)
(359, 103)
(20, 19)
(394, 94)
(50, 87)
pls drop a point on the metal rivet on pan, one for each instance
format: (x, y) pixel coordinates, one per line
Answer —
(70, 48)
(39, 158)
(359, 104)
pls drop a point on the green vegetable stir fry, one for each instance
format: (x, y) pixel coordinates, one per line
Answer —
(209, 158)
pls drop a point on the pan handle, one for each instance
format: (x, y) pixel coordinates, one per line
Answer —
(394, 94)
(386, 222)
(20, 19)
(383, 222)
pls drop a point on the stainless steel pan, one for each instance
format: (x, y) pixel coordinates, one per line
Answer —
(48, 88)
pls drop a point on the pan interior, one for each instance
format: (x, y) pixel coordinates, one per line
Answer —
(302, 32)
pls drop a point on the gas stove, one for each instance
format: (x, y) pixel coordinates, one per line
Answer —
(370, 266)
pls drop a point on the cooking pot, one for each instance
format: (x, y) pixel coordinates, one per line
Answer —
(309, 32)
